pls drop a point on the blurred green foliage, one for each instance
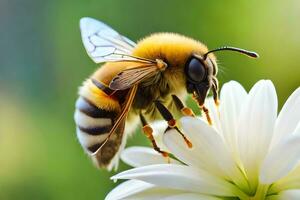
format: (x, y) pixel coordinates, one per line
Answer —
(43, 62)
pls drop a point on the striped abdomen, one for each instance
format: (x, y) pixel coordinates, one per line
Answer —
(95, 115)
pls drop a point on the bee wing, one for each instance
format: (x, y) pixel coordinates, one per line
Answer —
(120, 122)
(103, 44)
(132, 76)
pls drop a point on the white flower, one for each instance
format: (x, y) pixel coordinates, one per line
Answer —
(248, 153)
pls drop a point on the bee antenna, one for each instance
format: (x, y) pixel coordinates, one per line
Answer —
(251, 54)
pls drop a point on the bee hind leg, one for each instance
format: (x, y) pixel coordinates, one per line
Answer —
(148, 131)
(166, 114)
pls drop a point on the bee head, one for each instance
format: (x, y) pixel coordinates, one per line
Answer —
(201, 71)
(199, 75)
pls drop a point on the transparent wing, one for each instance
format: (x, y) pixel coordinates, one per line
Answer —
(132, 76)
(103, 44)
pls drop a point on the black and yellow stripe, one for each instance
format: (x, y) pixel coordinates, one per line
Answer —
(93, 123)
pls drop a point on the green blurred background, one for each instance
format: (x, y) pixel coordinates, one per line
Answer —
(42, 62)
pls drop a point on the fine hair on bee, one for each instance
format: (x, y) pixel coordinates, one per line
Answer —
(139, 83)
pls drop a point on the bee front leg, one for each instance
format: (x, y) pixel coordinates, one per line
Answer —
(215, 90)
(148, 131)
(186, 111)
(205, 111)
(166, 114)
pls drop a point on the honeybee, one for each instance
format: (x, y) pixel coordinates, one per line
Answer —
(141, 81)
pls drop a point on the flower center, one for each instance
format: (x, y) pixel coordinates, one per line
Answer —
(260, 194)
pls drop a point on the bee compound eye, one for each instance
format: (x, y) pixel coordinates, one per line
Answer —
(195, 70)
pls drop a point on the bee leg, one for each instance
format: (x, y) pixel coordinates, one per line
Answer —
(171, 121)
(205, 110)
(215, 88)
(186, 111)
(207, 115)
(148, 131)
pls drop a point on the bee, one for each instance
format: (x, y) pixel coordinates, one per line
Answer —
(142, 81)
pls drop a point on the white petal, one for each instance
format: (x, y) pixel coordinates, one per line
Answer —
(208, 152)
(139, 190)
(281, 160)
(180, 177)
(159, 128)
(291, 181)
(141, 156)
(288, 117)
(127, 189)
(256, 126)
(190, 196)
(286, 195)
(297, 130)
(233, 95)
